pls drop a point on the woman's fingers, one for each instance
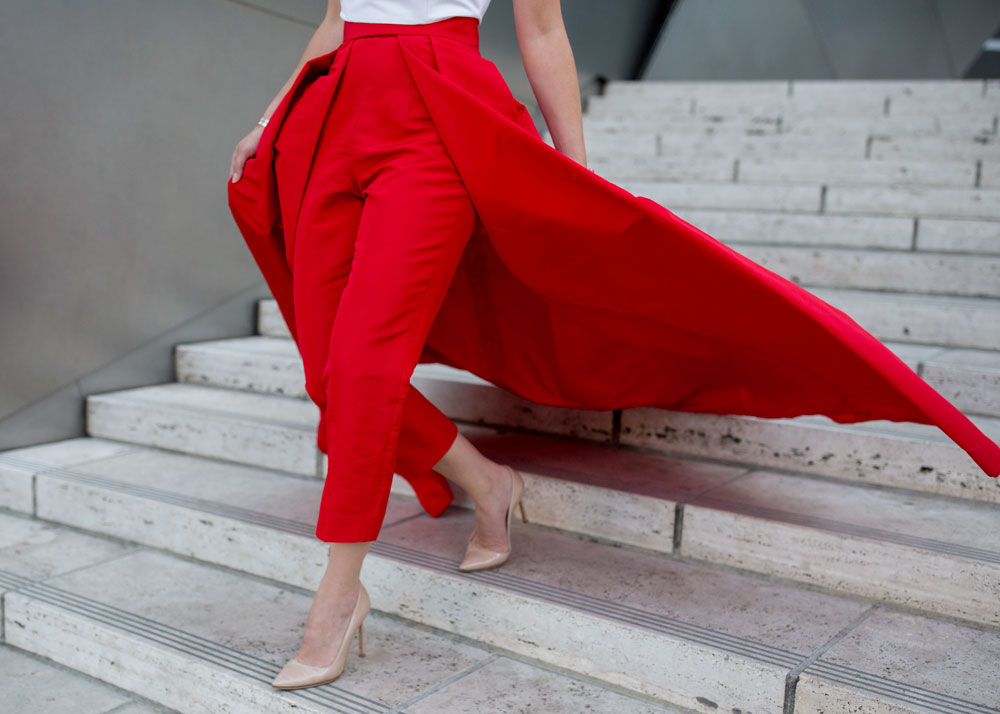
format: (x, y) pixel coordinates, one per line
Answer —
(244, 150)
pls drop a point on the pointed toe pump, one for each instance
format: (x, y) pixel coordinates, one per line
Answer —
(296, 675)
(479, 558)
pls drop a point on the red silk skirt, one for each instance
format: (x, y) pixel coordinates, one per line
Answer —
(569, 291)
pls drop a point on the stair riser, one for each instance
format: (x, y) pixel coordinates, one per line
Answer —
(262, 374)
(175, 678)
(888, 460)
(190, 432)
(952, 586)
(947, 275)
(601, 117)
(259, 373)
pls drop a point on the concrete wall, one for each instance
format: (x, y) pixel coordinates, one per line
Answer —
(117, 122)
(822, 39)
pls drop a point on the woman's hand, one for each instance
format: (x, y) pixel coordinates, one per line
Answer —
(244, 150)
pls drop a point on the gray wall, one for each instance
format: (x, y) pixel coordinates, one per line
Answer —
(117, 122)
(822, 39)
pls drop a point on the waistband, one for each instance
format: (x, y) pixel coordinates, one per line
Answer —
(463, 28)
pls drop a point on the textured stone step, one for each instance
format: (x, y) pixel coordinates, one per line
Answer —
(638, 116)
(781, 228)
(903, 271)
(857, 171)
(197, 638)
(678, 631)
(697, 147)
(930, 90)
(32, 684)
(925, 319)
(901, 455)
(915, 201)
(792, 119)
(837, 199)
(261, 429)
(701, 195)
(751, 170)
(985, 147)
(963, 236)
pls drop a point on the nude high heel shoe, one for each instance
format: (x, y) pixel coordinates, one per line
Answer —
(479, 558)
(296, 675)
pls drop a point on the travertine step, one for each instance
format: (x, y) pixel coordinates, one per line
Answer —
(610, 114)
(859, 232)
(577, 478)
(905, 201)
(755, 170)
(903, 271)
(923, 319)
(200, 639)
(901, 455)
(932, 91)
(698, 636)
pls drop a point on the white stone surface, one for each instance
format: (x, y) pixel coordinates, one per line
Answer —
(18, 466)
(903, 271)
(926, 319)
(654, 664)
(937, 555)
(857, 171)
(258, 364)
(912, 456)
(547, 559)
(34, 550)
(269, 319)
(958, 235)
(970, 379)
(915, 201)
(523, 688)
(257, 429)
(975, 147)
(781, 228)
(31, 684)
(897, 662)
(616, 167)
(728, 196)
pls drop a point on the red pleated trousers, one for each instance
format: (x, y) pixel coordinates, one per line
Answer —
(382, 224)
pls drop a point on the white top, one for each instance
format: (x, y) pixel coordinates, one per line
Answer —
(410, 12)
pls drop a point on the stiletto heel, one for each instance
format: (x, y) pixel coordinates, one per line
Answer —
(296, 675)
(479, 558)
(361, 640)
(520, 505)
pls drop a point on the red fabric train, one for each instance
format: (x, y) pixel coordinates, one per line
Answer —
(573, 292)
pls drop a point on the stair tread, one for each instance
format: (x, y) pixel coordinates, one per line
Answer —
(241, 630)
(924, 522)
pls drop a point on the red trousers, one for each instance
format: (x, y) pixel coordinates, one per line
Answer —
(383, 221)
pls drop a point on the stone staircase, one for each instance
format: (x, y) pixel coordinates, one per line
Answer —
(672, 562)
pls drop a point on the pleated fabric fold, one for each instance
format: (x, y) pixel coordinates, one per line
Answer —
(573, 292)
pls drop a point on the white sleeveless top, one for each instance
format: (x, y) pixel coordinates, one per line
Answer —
(410, 12)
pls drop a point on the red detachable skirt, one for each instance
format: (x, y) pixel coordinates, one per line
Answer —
(573, 292)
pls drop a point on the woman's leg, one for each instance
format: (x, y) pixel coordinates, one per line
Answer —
(334, 602)
(487, 482)
(416, 221)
